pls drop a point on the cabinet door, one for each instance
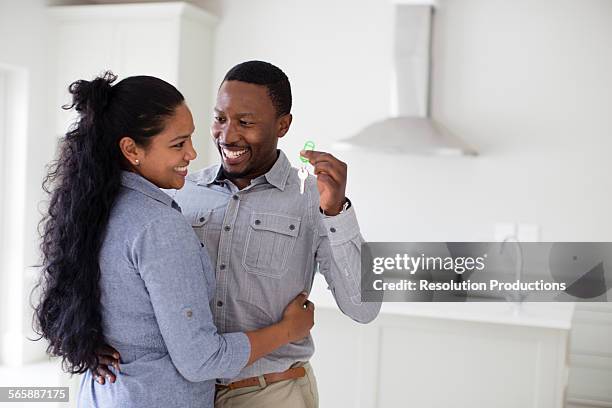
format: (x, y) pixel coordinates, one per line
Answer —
(84, 50)
(127, 47)
(338, 360)
(404, 361)
(591, 356)
(435, 364)
(148, 47)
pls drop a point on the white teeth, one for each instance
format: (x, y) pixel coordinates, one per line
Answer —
(233, 154)
(181, 168)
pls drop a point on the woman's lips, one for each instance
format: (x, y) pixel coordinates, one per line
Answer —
(181, 170)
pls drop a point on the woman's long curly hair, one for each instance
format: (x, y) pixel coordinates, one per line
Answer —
(82, 184)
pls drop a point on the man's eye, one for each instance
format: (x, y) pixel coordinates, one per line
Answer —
(245, 123)
(219, 119)
(179, 145)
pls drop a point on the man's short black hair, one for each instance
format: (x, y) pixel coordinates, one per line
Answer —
(268, 75)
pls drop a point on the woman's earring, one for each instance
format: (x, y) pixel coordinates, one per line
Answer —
(137, 162)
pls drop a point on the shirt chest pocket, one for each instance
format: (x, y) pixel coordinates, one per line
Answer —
(269, 242)
(199, 223)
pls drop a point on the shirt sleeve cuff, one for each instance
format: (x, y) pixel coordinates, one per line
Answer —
(241, 346)
(342, 227)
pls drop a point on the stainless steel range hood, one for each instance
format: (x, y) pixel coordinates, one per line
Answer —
(410, 129)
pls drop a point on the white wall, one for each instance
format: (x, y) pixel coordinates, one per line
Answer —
(527, 82)
(24, 52)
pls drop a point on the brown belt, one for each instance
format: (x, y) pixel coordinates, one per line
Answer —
(295, 372)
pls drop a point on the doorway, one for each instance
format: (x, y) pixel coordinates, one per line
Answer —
(13, 134)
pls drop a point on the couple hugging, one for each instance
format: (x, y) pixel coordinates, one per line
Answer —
(174, 290)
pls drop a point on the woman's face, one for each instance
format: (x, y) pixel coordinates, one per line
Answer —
(164, 161)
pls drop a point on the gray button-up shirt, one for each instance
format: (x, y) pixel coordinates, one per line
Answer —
(266, 242)
(156, 281)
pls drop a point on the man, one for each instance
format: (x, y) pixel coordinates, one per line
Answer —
(267, 239)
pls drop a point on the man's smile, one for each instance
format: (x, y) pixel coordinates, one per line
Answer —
(234, 155)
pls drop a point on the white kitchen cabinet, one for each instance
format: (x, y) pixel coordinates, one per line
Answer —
(172, 41)
(442, 355)
(590, 383)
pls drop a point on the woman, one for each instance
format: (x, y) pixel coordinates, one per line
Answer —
(122, 266)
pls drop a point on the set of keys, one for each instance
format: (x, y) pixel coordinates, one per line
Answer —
(303, 170)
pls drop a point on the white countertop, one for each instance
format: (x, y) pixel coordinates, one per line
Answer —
(552, 315)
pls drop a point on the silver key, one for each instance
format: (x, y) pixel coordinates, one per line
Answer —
(302, 175)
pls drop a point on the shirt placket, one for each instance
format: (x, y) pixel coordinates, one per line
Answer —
(224, 256)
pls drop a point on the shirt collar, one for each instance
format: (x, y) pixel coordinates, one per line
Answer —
(210, 175)
(138, 183)
(277, 175)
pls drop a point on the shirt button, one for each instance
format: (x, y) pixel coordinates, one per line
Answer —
(332, 229)
(202, 219)
(292, 227)
(257, 222)
(227, 228)
(235, 196)
(219, 303)
(188, 313)
(222, 266)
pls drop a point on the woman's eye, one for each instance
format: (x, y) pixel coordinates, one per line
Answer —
(179, 145)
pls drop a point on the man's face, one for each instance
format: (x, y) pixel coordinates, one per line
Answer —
(246, 129)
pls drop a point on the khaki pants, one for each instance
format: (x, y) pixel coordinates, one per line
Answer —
(296, 393)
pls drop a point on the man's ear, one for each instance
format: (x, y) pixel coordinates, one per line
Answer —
(284, 122)
(130, 151)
